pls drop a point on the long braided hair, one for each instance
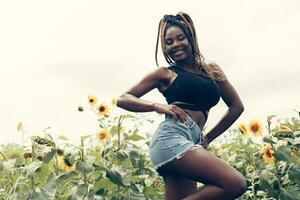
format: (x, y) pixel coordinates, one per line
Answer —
(184, 21)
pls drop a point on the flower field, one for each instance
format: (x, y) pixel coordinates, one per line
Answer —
(113, 163)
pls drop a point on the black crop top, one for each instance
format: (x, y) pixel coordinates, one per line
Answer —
(198, 92)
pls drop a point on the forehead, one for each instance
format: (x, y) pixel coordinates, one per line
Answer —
(173, 31)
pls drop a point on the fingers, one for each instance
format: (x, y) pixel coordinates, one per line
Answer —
(179, 113)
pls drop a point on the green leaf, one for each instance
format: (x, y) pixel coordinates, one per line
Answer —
(48, 157)
(134, 154)
(85, 137)
(9, 164)
(62, 179)
(121, 155)
(136, 196)
(62, 137)
(294, 174)
(47, 191)
(84, 167)
(293, 193)
(103, 184)
(78, 192)
(33, 167)
(115, 177)
(266, 178)
(135, 137)
(271, 116)
(128, 116)
(283, 153)
(268, 140)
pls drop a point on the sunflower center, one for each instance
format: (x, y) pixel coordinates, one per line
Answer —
(102, 108)
(92, 100)
(268, 153)
(254, 128)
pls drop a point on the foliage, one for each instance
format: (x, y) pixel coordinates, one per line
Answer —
(116, 165)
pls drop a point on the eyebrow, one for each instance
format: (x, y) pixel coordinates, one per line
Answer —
(180, 34)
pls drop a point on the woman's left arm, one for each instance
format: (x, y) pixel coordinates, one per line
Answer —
(235, 109)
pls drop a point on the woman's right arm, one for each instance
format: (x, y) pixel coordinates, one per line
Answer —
(131, 101)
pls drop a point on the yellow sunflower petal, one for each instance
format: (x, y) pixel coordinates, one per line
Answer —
(268, 154)
(243, 129)
(255, 127)
(61, 162)
(70, 168)
(114, 101)
(103, 109)
(284, 128)
(92, 99)
(20, 126)
(102, 134)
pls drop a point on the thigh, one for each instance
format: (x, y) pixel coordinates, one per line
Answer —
(202, 166)
(178, 187)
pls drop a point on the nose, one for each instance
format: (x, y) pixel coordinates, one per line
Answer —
(176, 43)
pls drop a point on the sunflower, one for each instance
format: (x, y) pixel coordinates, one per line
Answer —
(102, 134)
(1, 156)
(284, 128)
(255, 127)
(65, 164)
(243, 129)
(114, 102)
(268, 154)
(20, 126)
(70, 168)
(92, 100)
(103, 109)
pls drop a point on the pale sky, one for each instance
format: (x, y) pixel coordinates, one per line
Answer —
(53, 54)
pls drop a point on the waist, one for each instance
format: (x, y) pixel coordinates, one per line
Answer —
(189, 120)
(192, 107)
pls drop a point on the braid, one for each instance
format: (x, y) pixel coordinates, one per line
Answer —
(184, 21)
(157, 40)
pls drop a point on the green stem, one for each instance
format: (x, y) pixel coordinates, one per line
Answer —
(82, 159)
(56, 165)
(32, 159)
(118, 132)
(253, 190)
(276, 163)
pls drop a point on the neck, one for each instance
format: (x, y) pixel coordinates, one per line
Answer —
(189, 65)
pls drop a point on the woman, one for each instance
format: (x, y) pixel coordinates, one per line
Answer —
(191, 87)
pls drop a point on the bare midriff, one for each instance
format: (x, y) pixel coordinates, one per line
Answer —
(197, 116)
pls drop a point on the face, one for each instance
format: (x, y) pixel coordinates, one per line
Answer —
(177, 44)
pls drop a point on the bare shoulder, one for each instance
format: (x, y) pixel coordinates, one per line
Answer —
(151, 80)
(162, 73)
(228, 92)
(216, 71)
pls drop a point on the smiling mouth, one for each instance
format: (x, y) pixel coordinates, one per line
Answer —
(178, 52)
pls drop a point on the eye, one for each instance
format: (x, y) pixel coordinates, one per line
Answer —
(181, 37)
(168, 41)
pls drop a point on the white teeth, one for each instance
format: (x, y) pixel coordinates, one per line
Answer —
(178, 52)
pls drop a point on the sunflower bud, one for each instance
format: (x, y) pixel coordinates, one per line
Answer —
(27, 155)
(80, 108)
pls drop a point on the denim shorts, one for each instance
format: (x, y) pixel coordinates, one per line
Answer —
(172, 139)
